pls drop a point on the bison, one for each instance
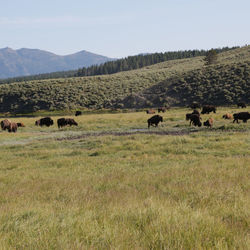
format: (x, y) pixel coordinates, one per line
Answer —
(163, 110)
(150, 111)
(196, 112)
(78, 113)
(20, 124)
(227, 116)
(154, 120)
(46, 121)
(12, 127)
(5, 124)
(66, 121)
(195, 119)
(207, 109)
(241, 116)
(241, 104)
(209, 122)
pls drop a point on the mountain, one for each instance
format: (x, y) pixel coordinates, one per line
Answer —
(23, 62)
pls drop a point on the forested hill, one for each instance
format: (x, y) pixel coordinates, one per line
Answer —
(175, 82)
(140, 61)
(114, 66)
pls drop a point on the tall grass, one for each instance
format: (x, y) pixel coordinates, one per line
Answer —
(141, 191)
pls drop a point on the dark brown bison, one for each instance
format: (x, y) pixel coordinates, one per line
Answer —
(188, 115)
(207, 109)
(66, 121)
(150, 111)
(209, 122)
(241, 116)
(20, 124)
(227, 116)
(241, 104)
(46, 121)
(78, 113)
(154, 120)
(12, 127)
(195, 119)
(163, 110)
(5, 124)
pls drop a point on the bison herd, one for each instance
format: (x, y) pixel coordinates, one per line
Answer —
(194, 118)
(46, 121)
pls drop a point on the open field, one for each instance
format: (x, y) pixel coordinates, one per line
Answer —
(112, 184)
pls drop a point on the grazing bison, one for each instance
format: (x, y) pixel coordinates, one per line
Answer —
(241, 104)
(227, 116)
(150, 111)
(207, 109)
(154, 120)
(78, 113)
(12, 127)
(46, 121)
(5, 124)
(20, 124)
(66, 121)
(241, 116)
(209, 122)
(195, 119)
(163, 110)
(190, 114)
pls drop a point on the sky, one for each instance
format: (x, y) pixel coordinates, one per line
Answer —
(120, 28)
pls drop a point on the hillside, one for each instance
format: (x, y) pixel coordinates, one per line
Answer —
(23, 62)
(175, 82)
(218, 85)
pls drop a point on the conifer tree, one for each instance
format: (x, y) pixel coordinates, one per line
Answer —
(211, 57)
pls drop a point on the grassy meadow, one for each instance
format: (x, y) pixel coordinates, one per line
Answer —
(112, 184)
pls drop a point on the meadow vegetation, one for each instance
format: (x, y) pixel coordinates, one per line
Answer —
(94, 187)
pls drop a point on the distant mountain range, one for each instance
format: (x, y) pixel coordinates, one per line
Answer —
(24, 62)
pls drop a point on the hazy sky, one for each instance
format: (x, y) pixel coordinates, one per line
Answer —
(117, 28)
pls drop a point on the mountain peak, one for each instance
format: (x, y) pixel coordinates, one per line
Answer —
(24, 61)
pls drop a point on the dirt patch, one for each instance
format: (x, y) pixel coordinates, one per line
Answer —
(125, 133)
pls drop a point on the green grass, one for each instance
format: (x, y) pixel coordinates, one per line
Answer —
(65, 189)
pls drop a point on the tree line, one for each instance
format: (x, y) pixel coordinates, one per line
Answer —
(140, 61)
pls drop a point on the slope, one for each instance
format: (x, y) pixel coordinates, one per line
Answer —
(109, 91)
